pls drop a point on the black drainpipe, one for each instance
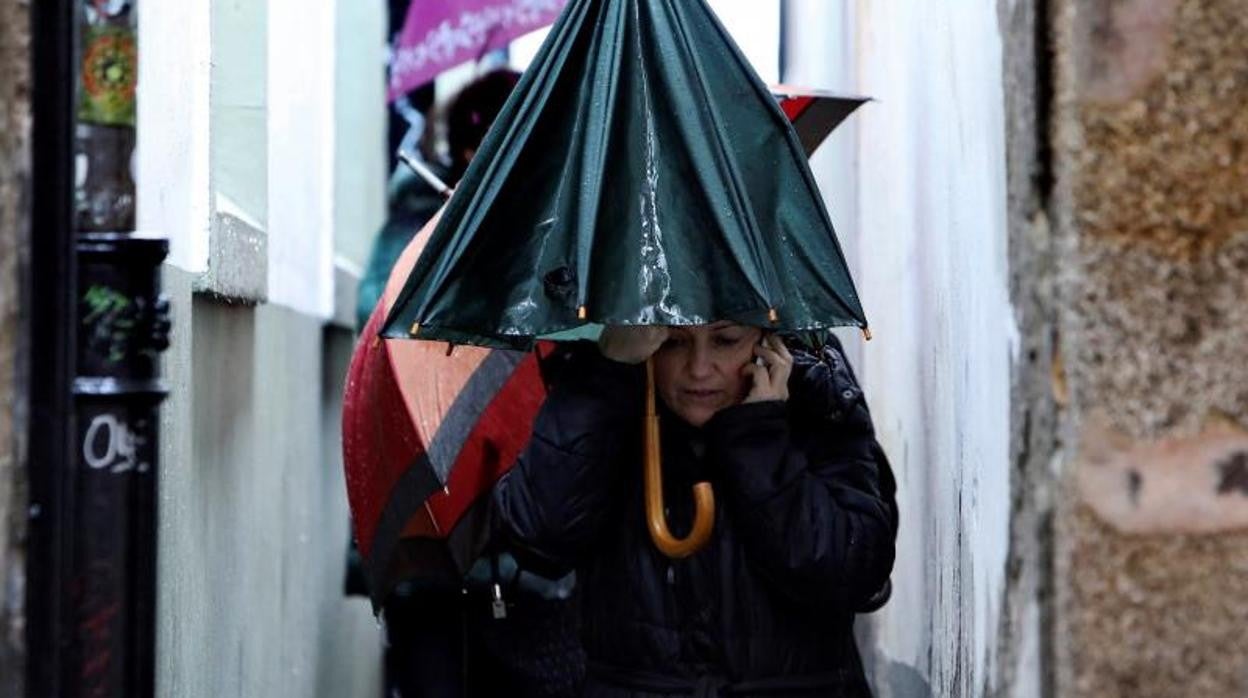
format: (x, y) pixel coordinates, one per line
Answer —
(98, 326)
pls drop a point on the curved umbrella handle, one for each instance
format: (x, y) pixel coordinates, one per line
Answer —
(703, 496)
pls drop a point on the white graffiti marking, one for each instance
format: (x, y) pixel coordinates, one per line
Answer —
(111, 444)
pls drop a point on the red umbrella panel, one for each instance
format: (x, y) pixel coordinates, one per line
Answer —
(814, 113)
(425, 433)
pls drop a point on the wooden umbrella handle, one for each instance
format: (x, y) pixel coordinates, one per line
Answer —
(703, 495)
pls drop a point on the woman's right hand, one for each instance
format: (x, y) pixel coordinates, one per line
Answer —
(631, 344)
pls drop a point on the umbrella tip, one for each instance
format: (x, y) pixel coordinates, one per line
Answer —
(415, 329)
(582, 313)
(772, 316)
(866, 333)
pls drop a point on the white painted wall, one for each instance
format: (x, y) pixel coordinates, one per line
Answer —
(755, 26)
(360, 158)
(924, 218)
(202, 122)
(172, 155)
(301, 133)
(239, 113)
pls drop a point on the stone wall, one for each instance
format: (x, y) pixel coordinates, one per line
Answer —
(14, 221)
(1152, 526)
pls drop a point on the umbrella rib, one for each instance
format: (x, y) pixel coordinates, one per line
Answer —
(724, 158)
(655, 281)
(800, 159)
(597, 139)
(798, 152)
(525, 105)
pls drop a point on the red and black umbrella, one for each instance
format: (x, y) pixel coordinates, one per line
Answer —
(425, 433)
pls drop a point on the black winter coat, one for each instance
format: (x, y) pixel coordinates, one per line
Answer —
(805, 526)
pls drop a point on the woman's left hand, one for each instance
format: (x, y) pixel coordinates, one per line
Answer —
(771, 380)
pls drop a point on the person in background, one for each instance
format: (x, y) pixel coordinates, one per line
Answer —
(412, 200)
(444, 640)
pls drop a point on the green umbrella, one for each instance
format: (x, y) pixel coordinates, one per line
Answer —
(641, 173)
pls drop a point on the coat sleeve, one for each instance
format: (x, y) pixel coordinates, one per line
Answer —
(564, 487)
(819, 518)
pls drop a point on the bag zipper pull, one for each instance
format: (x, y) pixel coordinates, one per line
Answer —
(498, 606)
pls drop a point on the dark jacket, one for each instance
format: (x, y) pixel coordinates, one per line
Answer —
(804, 535)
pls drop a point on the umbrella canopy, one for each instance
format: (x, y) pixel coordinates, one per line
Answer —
(440, 34)
(424, 434)
(640, 174)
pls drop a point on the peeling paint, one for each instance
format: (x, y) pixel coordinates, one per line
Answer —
(1175, 485)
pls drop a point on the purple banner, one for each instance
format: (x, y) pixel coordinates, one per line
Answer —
(441, 34)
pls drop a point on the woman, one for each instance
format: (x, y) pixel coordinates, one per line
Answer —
(804, 529)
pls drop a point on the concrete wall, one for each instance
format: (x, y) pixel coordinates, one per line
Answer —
(926, 221)
(253, 522)
(1152, 526)
(14, 222)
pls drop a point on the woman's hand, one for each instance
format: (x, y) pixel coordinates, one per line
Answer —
(631, 344)
(771, 380)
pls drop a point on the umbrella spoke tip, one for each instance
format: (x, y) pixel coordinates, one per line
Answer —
(582, 313)
(772, 316)
(415, 330)
(866, 333)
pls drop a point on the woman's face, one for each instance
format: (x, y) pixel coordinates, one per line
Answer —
(698, 370)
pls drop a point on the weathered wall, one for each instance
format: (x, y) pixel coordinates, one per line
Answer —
(14, 221)
(934, 274)
(1025, 634)
(927, 226)
(253, 522)
(1152, 529)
